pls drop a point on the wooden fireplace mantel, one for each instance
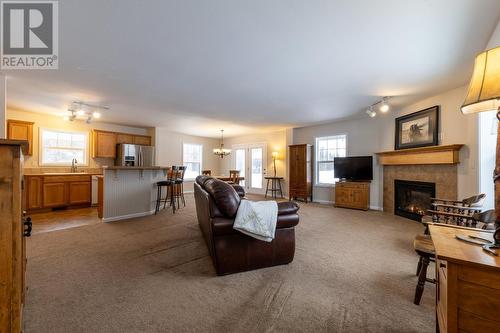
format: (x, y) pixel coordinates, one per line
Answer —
(448, 154)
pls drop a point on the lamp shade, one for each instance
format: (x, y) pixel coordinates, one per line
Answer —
(484, 87)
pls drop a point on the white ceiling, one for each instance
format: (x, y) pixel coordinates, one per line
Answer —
(198, 66)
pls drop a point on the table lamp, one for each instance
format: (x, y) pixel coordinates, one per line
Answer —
(484, 95)
(275, 156)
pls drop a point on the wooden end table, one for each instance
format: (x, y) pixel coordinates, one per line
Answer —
(275, 186)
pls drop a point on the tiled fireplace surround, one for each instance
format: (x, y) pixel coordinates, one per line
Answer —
(443, 175)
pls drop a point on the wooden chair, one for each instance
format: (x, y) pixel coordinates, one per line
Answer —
(178, 188)
(206, 172)
(425, 248)
(235, 176)
(456, 212)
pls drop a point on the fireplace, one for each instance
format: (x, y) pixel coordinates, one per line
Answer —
(412, 198)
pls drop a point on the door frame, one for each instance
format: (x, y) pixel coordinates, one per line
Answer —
(248, 176)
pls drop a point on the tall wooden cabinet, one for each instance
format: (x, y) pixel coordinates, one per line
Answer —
(300, 174)
(12, 240)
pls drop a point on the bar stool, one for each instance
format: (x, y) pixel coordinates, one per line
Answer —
(168, 183)
(275, 186)
(178, 188)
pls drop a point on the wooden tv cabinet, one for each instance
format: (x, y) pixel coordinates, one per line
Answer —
(355, 195)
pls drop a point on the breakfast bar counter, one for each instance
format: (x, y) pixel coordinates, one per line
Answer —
(128, 192)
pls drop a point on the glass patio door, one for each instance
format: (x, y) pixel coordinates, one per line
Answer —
(251, 160)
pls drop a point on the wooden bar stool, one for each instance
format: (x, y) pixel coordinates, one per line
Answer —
(275, 186)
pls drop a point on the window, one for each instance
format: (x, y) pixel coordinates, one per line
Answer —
(327, 148)
(192, 155)
(59, 148)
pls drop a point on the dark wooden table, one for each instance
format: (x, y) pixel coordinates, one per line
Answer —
(227, 178)
(275, 186)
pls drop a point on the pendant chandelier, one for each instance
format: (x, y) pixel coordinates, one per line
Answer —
(221, 151)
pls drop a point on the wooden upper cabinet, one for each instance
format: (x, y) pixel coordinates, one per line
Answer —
(124, 138)
(103, 144)
(142, 140)
(21, 130)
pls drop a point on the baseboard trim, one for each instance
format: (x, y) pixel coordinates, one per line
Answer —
(128, 216)
(324, 202)
(376, 208)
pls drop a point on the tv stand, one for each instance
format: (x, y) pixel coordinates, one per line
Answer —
(352, 194)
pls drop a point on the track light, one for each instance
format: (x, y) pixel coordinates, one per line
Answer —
(384, 107)
(84, 111)
(371, 112)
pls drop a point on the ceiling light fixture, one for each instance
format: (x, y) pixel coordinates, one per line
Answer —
(383, 107)
(221, 151)
(84, 111)
(371, 112)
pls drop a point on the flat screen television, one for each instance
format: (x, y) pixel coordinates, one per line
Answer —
(353, 168)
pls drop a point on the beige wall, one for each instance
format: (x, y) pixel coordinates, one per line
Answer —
(275, 141)
(54, 122)
(367, 136)
(169, 150)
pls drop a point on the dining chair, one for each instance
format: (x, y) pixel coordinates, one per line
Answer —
(234, 176)
(460, 213)
(206, 172)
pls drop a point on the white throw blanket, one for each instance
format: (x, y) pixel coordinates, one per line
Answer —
(257, 219)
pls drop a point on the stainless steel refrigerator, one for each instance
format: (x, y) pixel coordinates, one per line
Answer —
(134, 155)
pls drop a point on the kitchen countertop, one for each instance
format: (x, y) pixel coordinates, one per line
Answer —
(135, 168)
(63, 174)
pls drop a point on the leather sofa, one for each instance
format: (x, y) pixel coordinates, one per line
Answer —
(232, 251)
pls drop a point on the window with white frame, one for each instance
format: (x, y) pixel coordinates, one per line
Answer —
(192, 157)
(327, 148)
(59, 148)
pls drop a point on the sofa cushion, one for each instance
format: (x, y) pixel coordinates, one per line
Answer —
(224, 195)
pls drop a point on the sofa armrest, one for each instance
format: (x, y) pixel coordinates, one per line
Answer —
(239, 189)
(287, 208)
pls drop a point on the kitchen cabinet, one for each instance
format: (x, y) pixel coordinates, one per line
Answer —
(142, 140)
(352, 195)
(124, 138)
(104, 144)
(80, 193)
(54, 195)
(33, 191)
(21, 130)
(53, 191)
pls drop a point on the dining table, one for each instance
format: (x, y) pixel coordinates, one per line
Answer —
(228, 179)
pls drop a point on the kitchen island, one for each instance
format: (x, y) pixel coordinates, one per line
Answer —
(127, 192)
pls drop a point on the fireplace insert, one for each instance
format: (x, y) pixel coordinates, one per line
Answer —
(412, 199)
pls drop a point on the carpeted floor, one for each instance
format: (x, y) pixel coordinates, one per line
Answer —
(353, 271)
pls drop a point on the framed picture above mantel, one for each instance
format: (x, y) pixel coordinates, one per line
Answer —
(419, 129)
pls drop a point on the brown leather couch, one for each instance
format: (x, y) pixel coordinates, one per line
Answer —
(231, 251)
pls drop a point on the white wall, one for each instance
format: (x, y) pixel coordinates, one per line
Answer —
(487, 151)
(275, 141)
(495, 38)
(169, 151)
(367, 136)
(363, 138)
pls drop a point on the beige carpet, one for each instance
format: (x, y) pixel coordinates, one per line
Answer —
(353, 272)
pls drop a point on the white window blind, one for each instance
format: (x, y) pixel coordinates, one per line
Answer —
(327, 148)
(59, 148)
(192, 157)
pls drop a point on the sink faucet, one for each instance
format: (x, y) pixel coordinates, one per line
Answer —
(74, 162)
